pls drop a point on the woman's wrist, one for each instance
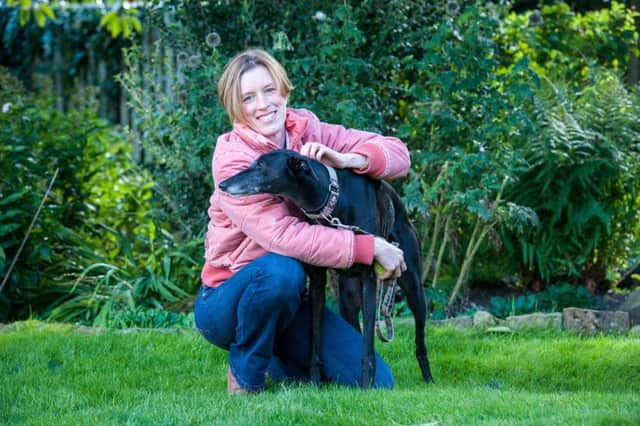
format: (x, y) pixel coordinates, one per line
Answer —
(357, 161)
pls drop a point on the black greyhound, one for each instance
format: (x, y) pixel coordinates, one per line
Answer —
(374, 207)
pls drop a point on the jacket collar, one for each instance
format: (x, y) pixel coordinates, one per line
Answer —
(294, 123)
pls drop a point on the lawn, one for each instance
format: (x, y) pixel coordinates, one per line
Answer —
(52, 374)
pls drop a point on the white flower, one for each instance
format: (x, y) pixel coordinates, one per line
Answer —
(319, 16)
(6, 107)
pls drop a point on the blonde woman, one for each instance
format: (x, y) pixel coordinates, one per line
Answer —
(251, 302)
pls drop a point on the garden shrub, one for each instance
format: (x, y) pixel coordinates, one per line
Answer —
(580, 176)
(563, 44)
(554, 298)
(97, 217)
(463, 122)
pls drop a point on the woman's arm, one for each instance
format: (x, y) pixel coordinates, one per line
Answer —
(267, 220)
(386, 157)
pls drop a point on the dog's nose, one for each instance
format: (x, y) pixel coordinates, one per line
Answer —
(223, 185)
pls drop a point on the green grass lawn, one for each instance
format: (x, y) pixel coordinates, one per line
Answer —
(53, 375)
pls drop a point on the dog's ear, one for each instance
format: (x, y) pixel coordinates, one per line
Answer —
(298, 165)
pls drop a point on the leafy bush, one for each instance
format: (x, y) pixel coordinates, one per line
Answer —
(580, 176)
(95, 237)
(179, 132)
(35, 140)
(566, 45)
(150, 318)
(462, 123)
(554, 298)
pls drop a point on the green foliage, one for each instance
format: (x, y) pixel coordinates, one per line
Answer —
(35, 139)
(150, 318)
(554, 298)
(69, 48)
(179, 131)
(463, 120)
(95, 248)
(580, 176)
(563, 44)
(121, 20)
(104, 290)
(503, 307)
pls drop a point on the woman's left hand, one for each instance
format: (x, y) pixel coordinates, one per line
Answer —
(333, 158)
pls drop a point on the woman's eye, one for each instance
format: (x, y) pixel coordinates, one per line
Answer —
(270, 89)
(247, 99)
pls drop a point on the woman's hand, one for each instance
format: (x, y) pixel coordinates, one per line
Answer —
(390, 257)
(332, 158)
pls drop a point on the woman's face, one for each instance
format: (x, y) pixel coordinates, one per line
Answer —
(263, 107)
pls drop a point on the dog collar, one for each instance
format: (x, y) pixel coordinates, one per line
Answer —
(332, 198)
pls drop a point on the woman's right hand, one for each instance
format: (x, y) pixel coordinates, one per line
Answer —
(390, 257)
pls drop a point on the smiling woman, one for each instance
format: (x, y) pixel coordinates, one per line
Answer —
(263, 106)
(252, 302)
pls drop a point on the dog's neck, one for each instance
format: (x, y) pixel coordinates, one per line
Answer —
(327, 181)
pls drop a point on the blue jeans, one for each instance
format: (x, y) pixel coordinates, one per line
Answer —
(260, 316)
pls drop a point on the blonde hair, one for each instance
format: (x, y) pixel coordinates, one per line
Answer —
(229, 91)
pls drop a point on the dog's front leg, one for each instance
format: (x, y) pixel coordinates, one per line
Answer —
(317, 279)
(369, 319)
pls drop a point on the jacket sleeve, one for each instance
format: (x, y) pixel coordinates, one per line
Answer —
(388, 156)
(266, 220)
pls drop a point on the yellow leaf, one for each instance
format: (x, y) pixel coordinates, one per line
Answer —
(48, 11)
(106, 19)
(126, 30)
(136, 24)
(40, 18)
(115, 27)
(24, 16)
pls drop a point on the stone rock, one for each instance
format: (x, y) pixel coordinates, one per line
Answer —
(635, 331)
(590, 321)
(484, 319)
(537, 320)
(8, 327)
(89, 330)
(632, 306)
(458, 322)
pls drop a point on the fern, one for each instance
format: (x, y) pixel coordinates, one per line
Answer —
(581, 177)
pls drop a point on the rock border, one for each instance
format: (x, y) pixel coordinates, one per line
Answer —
(583, 321)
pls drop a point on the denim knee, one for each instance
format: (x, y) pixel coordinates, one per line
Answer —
(285, 276)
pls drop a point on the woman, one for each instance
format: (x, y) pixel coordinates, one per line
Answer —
(251, 300)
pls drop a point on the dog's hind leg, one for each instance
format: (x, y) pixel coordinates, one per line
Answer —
(369, 319)
(317, 277)
(350, 299)
(410, 283)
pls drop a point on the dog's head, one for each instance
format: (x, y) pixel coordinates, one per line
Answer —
(282, 172)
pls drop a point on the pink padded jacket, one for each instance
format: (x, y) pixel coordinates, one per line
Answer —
(241, 229)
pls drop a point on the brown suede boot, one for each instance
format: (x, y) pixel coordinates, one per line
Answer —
(233, 388)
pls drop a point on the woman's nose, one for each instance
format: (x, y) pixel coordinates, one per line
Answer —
(261, 101)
